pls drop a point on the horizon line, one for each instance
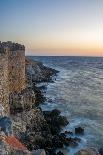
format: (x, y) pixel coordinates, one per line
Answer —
(65, 56)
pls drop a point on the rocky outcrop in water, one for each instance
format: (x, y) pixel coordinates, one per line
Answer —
(37, 72)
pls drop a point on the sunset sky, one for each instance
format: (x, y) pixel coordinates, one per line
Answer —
(54, 27)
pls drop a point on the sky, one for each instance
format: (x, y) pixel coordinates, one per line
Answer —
(54, 27)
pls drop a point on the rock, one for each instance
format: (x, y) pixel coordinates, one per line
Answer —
(21, 101)
(39, 97)
(39, 72)
(88, 151)
(79, 130)
(62, 137)
(69, 132)
(62, 121)
(55, 113)
(71, 142)
(57, 143)
(55, 121)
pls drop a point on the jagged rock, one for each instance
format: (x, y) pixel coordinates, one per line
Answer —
(88, 151)
(39, 97)
(79, 130)
(38, 72)
(55, 120)
(57, 143)
(68, 132)
(71, 142)
(22, 101)
(55, 113)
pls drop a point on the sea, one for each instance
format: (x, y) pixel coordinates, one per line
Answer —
(78, 94)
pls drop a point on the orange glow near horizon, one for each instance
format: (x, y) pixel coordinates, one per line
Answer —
(61, 27)
(78, 48)
(66, 52)
(78, 42)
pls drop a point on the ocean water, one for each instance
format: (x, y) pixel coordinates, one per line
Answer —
(78, 93)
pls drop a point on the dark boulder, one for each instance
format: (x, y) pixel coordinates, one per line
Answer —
(55, 113)
(57, 143)
(68, 132)
(79, 130)
(71, 142)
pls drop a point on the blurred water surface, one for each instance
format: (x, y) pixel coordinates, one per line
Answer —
(78, 93)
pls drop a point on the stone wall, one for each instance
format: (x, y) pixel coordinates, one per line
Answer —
(12, 72)
(4, 83)
(16, 68)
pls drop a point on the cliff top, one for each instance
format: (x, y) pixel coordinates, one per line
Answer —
(10, 46)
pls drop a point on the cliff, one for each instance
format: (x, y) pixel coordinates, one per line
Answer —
(18, 98)
(12, 71)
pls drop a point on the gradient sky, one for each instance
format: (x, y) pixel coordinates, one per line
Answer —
(54, 27)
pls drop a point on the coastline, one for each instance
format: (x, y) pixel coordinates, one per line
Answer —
(37, 129)
(71, 142)
(56, 139)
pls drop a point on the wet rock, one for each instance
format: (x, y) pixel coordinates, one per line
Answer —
(55, 113)
(71, 142)
(62, 121)
(62, 137)
(39, 97)
(57, 143)
(88, 151)
(79, 130)
(69, 132)
(55, 121)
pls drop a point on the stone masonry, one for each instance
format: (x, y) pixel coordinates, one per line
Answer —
(4, 85)
(12, 71)
(16, 69)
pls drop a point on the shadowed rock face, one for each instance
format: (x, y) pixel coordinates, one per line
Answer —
(22, 101)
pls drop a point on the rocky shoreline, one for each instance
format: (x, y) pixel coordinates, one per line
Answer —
(44, 129)
(50, 137)
(37, 129)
